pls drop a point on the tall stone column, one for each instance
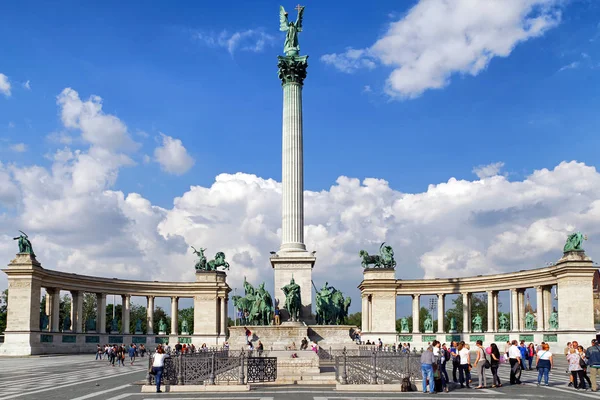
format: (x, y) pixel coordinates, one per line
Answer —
(125, 313)
(441, 312)
(521, 297)
(514, 312)
(490, 311)
(101, 313)
(466, 300)
(76, 311)
(150, 315)
(496, 311)
(547, 294)
(539, 305)
(54, 300)
(174, 315)
(223, 316)
(292, 260)
(416, 306)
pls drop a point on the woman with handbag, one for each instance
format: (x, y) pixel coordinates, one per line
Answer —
(480, 364)
(575, 369)
(544, 364)
(584, 365)
(158, 365)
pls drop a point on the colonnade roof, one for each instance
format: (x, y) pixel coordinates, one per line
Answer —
(383, 280)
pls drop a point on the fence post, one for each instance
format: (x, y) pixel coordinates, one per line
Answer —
(180, 369)
(148, 376)
(374, 363)
(344, 370)
(211, 379)
(242, 368)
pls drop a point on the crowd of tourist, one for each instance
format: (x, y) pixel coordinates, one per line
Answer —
(519, 356)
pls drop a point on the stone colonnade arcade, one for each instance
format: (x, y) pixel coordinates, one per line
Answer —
(24, 334)
(572, 275)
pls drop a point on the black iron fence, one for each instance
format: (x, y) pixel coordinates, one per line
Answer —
(377, 367)
(216, 367)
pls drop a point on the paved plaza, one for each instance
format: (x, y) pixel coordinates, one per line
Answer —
(80, 377)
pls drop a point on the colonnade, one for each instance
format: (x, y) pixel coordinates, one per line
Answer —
(26, 279)
(572, 276)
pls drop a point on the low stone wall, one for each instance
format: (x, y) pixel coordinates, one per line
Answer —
(334, 336)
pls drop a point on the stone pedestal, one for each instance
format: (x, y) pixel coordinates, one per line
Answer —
(429, 331)
(210, 308)
(298, 265)
(22, 335)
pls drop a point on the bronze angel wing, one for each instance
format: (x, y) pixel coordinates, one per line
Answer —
(283, 19)
(299, 19)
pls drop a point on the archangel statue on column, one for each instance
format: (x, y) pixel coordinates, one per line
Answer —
(291, 46)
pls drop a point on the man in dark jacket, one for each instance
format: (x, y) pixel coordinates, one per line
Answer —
(592, 354)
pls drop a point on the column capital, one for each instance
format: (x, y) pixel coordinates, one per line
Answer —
(150, 297)
(416, 295)
(292, 69)
(441, 295)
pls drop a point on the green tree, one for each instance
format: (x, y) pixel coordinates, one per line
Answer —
(159, 314)
(355, 319)
(3, 310)
(90, 305)
(136, 313)
(479, 305)
(64, 310)
(188, 315)
(230, 322)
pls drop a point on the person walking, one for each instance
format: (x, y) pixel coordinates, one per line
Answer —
(132, 354)
(575, 369)
(530, 354)
(544, 364)
(593, 358)
(158, 365)
(99, 352)
(494, 364)
(480, 365)
(455, 361)
(514, 357)
(463, 372)
(427, 360)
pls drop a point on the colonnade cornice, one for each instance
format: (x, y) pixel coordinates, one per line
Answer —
(91, 284)
(545, 276)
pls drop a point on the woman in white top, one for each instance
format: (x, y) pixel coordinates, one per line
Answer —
(463, 370)
(158, 365)
(544, 363)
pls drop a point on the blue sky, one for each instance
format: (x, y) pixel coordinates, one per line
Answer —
(206, 75)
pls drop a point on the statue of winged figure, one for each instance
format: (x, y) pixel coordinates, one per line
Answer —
(291, 46)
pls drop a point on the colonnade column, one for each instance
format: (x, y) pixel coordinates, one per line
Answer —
(547, 294)
(150, 315)
(223, 316)
(125, 312)
(76, 310)
(54, 309)
(415, 312)
(441, 312)
(174, 315)
(521, 297)
(101, 313)
(495, 300)
(490, 311)
(514, 312)
(539, 305)
(466, 299)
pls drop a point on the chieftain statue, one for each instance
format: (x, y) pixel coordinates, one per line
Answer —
(574, 242)
(529, 321)
(291, 46)
(503, 321)
(212, 265)
(162, 326)
(332, 306)
(293, 301)
(477, 323)
(553, 321)
(24, 244)
(428, 324)
(404, 325)
(184, 327)
(452, 325)
(257, 302)
(385, 258)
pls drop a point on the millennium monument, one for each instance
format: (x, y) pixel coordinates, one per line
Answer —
(292, 262)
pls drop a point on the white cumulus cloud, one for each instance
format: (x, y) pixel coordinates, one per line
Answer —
(438, 38)
(173, 156)
(254, 40)
(486, 171)
(4, 85)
